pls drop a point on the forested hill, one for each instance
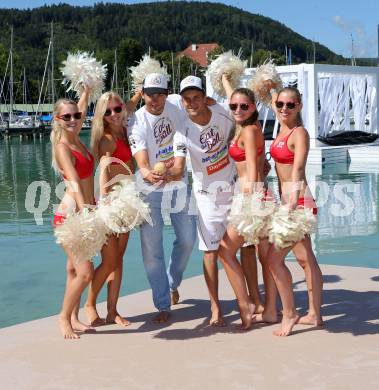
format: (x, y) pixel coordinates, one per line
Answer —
(162, 26)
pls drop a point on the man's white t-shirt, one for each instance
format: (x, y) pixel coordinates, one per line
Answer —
(156, 133)
(176, 100)
(212, 168)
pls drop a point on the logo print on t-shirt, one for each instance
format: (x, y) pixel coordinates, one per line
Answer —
(211, 139)
(163, 131)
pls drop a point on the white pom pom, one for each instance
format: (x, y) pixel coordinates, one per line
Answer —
(81, 69)
(249, 214)
(288, 227)
(123, 209)
(264, 79)
(229, 64)
(84, 234)
(146, 66)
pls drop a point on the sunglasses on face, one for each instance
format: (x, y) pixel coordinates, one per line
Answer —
(67, 117)
(289, 105)
(116, 110)
(242, 106)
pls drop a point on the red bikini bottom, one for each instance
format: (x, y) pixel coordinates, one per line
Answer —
(308, 203)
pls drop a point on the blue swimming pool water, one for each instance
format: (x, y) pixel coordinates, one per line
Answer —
(32, 266)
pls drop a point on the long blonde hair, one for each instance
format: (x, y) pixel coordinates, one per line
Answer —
(98, 126)
(56, 130)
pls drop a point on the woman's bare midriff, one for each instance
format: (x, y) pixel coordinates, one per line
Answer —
(284, 172)
(69, 200)
(241, 170)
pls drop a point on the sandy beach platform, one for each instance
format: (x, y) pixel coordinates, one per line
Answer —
(186, 353)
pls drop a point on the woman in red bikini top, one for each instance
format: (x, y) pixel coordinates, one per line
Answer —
(70, 157)
(75, 163)
(111, 148)
(247, 149)
(247, 145)
(290, 151)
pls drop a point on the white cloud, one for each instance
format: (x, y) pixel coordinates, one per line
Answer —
(338, 21)
(363, 45)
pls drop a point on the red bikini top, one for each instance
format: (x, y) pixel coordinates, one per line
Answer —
(238, 154)
(83, 165)
(280, 152)
(122, 151)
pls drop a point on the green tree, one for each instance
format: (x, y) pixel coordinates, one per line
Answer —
(129, 52)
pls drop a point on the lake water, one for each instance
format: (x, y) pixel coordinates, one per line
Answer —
(32, 265)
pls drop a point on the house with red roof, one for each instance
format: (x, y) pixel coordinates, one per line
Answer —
(199, 52)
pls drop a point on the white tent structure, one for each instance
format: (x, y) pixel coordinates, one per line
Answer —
(335, 98)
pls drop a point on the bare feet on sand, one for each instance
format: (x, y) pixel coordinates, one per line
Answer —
(286, 326)
(66, 329)
(311, 319)
(266, 317)
(117, 319)
(247, 316)
(93, 317)
(175, 297)
(259, 309)
(162, 317)
(216, 318)
(80, 326)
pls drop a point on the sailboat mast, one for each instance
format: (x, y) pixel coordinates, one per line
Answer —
(52, 64)
(43, 81)
(115, 71)
(11, 80)
(24, 89)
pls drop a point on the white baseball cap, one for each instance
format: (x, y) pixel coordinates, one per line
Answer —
(155, 83)
(191, 82)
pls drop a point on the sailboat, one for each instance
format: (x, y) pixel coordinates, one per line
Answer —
(15, 124)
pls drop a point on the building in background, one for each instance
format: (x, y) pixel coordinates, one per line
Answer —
(199, 52)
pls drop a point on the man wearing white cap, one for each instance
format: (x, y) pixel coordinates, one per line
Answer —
(205, 137)
(152, 132)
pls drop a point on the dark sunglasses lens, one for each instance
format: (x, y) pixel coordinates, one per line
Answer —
(77, 115)
(279, 104)
(107, 112)
(289, 105)
(117, 110)
(243, 106)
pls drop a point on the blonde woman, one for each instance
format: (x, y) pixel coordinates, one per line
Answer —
(290, 151)
(247, 150)
(111, 148)
(75, 163)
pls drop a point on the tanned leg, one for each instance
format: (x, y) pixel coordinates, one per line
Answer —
(250, 270)
(74, 288)
(114, 285)
(313, 277)
(108, 264)
(270, 313)
(211, 279)
(283, 280)
(230, 243)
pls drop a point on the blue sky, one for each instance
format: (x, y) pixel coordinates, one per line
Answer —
(333, 23)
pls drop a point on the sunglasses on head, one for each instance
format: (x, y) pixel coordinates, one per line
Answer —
(289, 105)
(67, 117)
(116, 110)
(242, 106)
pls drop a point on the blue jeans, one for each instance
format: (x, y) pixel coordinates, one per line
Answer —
(160, 279)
